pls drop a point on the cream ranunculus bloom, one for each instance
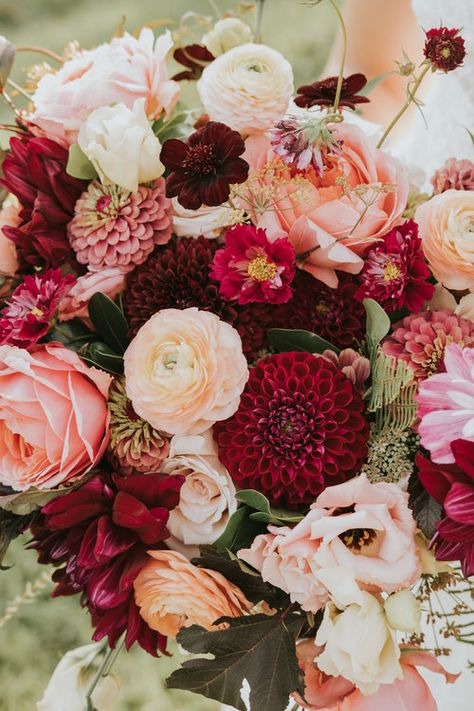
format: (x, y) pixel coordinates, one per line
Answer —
(248, 88)
(185, 370)
(358, 642)
(121, 145)
(207, 497)
(227, 33)
(71, 680)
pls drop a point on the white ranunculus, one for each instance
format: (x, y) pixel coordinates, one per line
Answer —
(358, 642)
(248, 88)
(206, 221)
(403, 611)
(121, 145)
(227, 33)
(207, 497)
(71, 681)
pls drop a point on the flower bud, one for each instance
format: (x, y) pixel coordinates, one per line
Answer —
(7, 55)
(403, 611)
(226, 34)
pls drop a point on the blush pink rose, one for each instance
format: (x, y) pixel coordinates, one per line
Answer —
(53, 416)
(74, 305)
(9, 217)
(122, 71)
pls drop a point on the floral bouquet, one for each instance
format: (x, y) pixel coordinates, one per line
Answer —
(237, 369)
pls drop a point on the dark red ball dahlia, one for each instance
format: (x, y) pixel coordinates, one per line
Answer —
(323, 93)
(35, 171)
(202, 169)
(300, 427)
(100, 534)
(252, 324)
(444, 48)
(334, 314)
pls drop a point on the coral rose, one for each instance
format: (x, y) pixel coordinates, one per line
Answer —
(185, 370)
(53, 416)
(248, 88)
(9, 217)
(445, 224)
(172, 593)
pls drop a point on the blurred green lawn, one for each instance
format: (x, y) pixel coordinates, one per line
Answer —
(32, 642)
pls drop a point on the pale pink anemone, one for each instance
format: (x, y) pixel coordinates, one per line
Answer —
(446, 405)
(330, 219)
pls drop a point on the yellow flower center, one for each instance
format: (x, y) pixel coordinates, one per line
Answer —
(261, 269)
(37, 312)
(391, 271)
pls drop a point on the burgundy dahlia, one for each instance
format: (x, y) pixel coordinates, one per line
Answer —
(31, 310)
(202, 169)
(253, 268)
(323, 93)
(454, 175)
(444, 48)
(195, 57)
(452, 486)
(334, 314)
(35, 171)
(252, 324)
(395, 271)
(300, 427)
(100, 534)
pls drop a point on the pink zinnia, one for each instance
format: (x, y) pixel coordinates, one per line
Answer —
(446, 405)
(421, 339)
(32, 308)
(395, 272)
(253, 268)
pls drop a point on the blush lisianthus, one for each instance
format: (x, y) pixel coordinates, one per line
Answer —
(203, 168)
(452, 486)
(252, 267)
(185, 370)
(113, 227)
(323, 92)
(444, 48)
(300, 427)
(395, 272)
(420, 340)
(32, 309)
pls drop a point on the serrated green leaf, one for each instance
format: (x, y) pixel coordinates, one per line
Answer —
(257, 648)
(79, 165)
(109, 321)
(286, 339)
(378, 322)
(100, 355)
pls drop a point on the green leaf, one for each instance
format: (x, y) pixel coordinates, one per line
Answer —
(74, 334)
(426, 511)
(79, 165)
(109, 321)
(100, 355)
(240, 531)
(180, 125)
(257, 648)
(373, 83)
(378, 322)
(284, 340)
(264, 512)
(11, 526)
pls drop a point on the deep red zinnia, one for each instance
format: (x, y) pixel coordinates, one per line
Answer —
(452, 486)
(31, 310)
(323, 93)
(100, 534)
(252, 268)
(395, 271)
(444, 48)
(202, 169)
(300, 427)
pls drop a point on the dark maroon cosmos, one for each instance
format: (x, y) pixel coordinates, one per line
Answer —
(444, 48)
(195, 57)
(323, 93)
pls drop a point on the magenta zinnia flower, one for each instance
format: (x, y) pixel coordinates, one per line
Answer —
(31, 310)
(395, 272)
(253, 268)
(452, 486)
(203, 168)
(444, 48)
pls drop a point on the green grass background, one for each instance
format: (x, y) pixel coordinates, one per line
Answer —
(33, 641)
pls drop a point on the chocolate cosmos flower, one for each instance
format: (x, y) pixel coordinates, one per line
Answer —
(194, 57)
(323, 93)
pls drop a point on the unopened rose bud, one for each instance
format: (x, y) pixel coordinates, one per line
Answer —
(7, 55)
(226, 34)
(403, 611)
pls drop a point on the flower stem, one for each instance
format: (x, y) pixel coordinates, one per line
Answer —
(104, 670)
(258, 20)
(39, 50)
(340, 78)
(408, 102)
(19, 89)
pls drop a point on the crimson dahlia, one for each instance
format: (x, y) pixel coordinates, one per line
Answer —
(323, 93)
(444, 48)
(300, 427)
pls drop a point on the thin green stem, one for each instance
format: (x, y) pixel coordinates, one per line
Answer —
(340, 78)
(408, 102)
(213, 4)
(103, 671)
(19, 89)
(258, 21)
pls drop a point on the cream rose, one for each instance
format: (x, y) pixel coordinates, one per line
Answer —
(185, 370)
(227, 33)
(447, 229)
(121, 145)
(248, 88)
(207, 497)
(206, 221)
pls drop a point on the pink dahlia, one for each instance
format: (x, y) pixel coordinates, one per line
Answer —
(300, 427)
(112, 227)
(31, 310)
(253, 268)
(421, 339)
(446, 404)
(454, 175)
(395, 272)
(452, 486)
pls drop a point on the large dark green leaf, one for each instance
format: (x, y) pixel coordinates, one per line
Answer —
(109, 322)
(265, 513)
(257, 648)
(74, 334)
(426, 511)
(100, 355)
(287, 339)
(240, 531)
